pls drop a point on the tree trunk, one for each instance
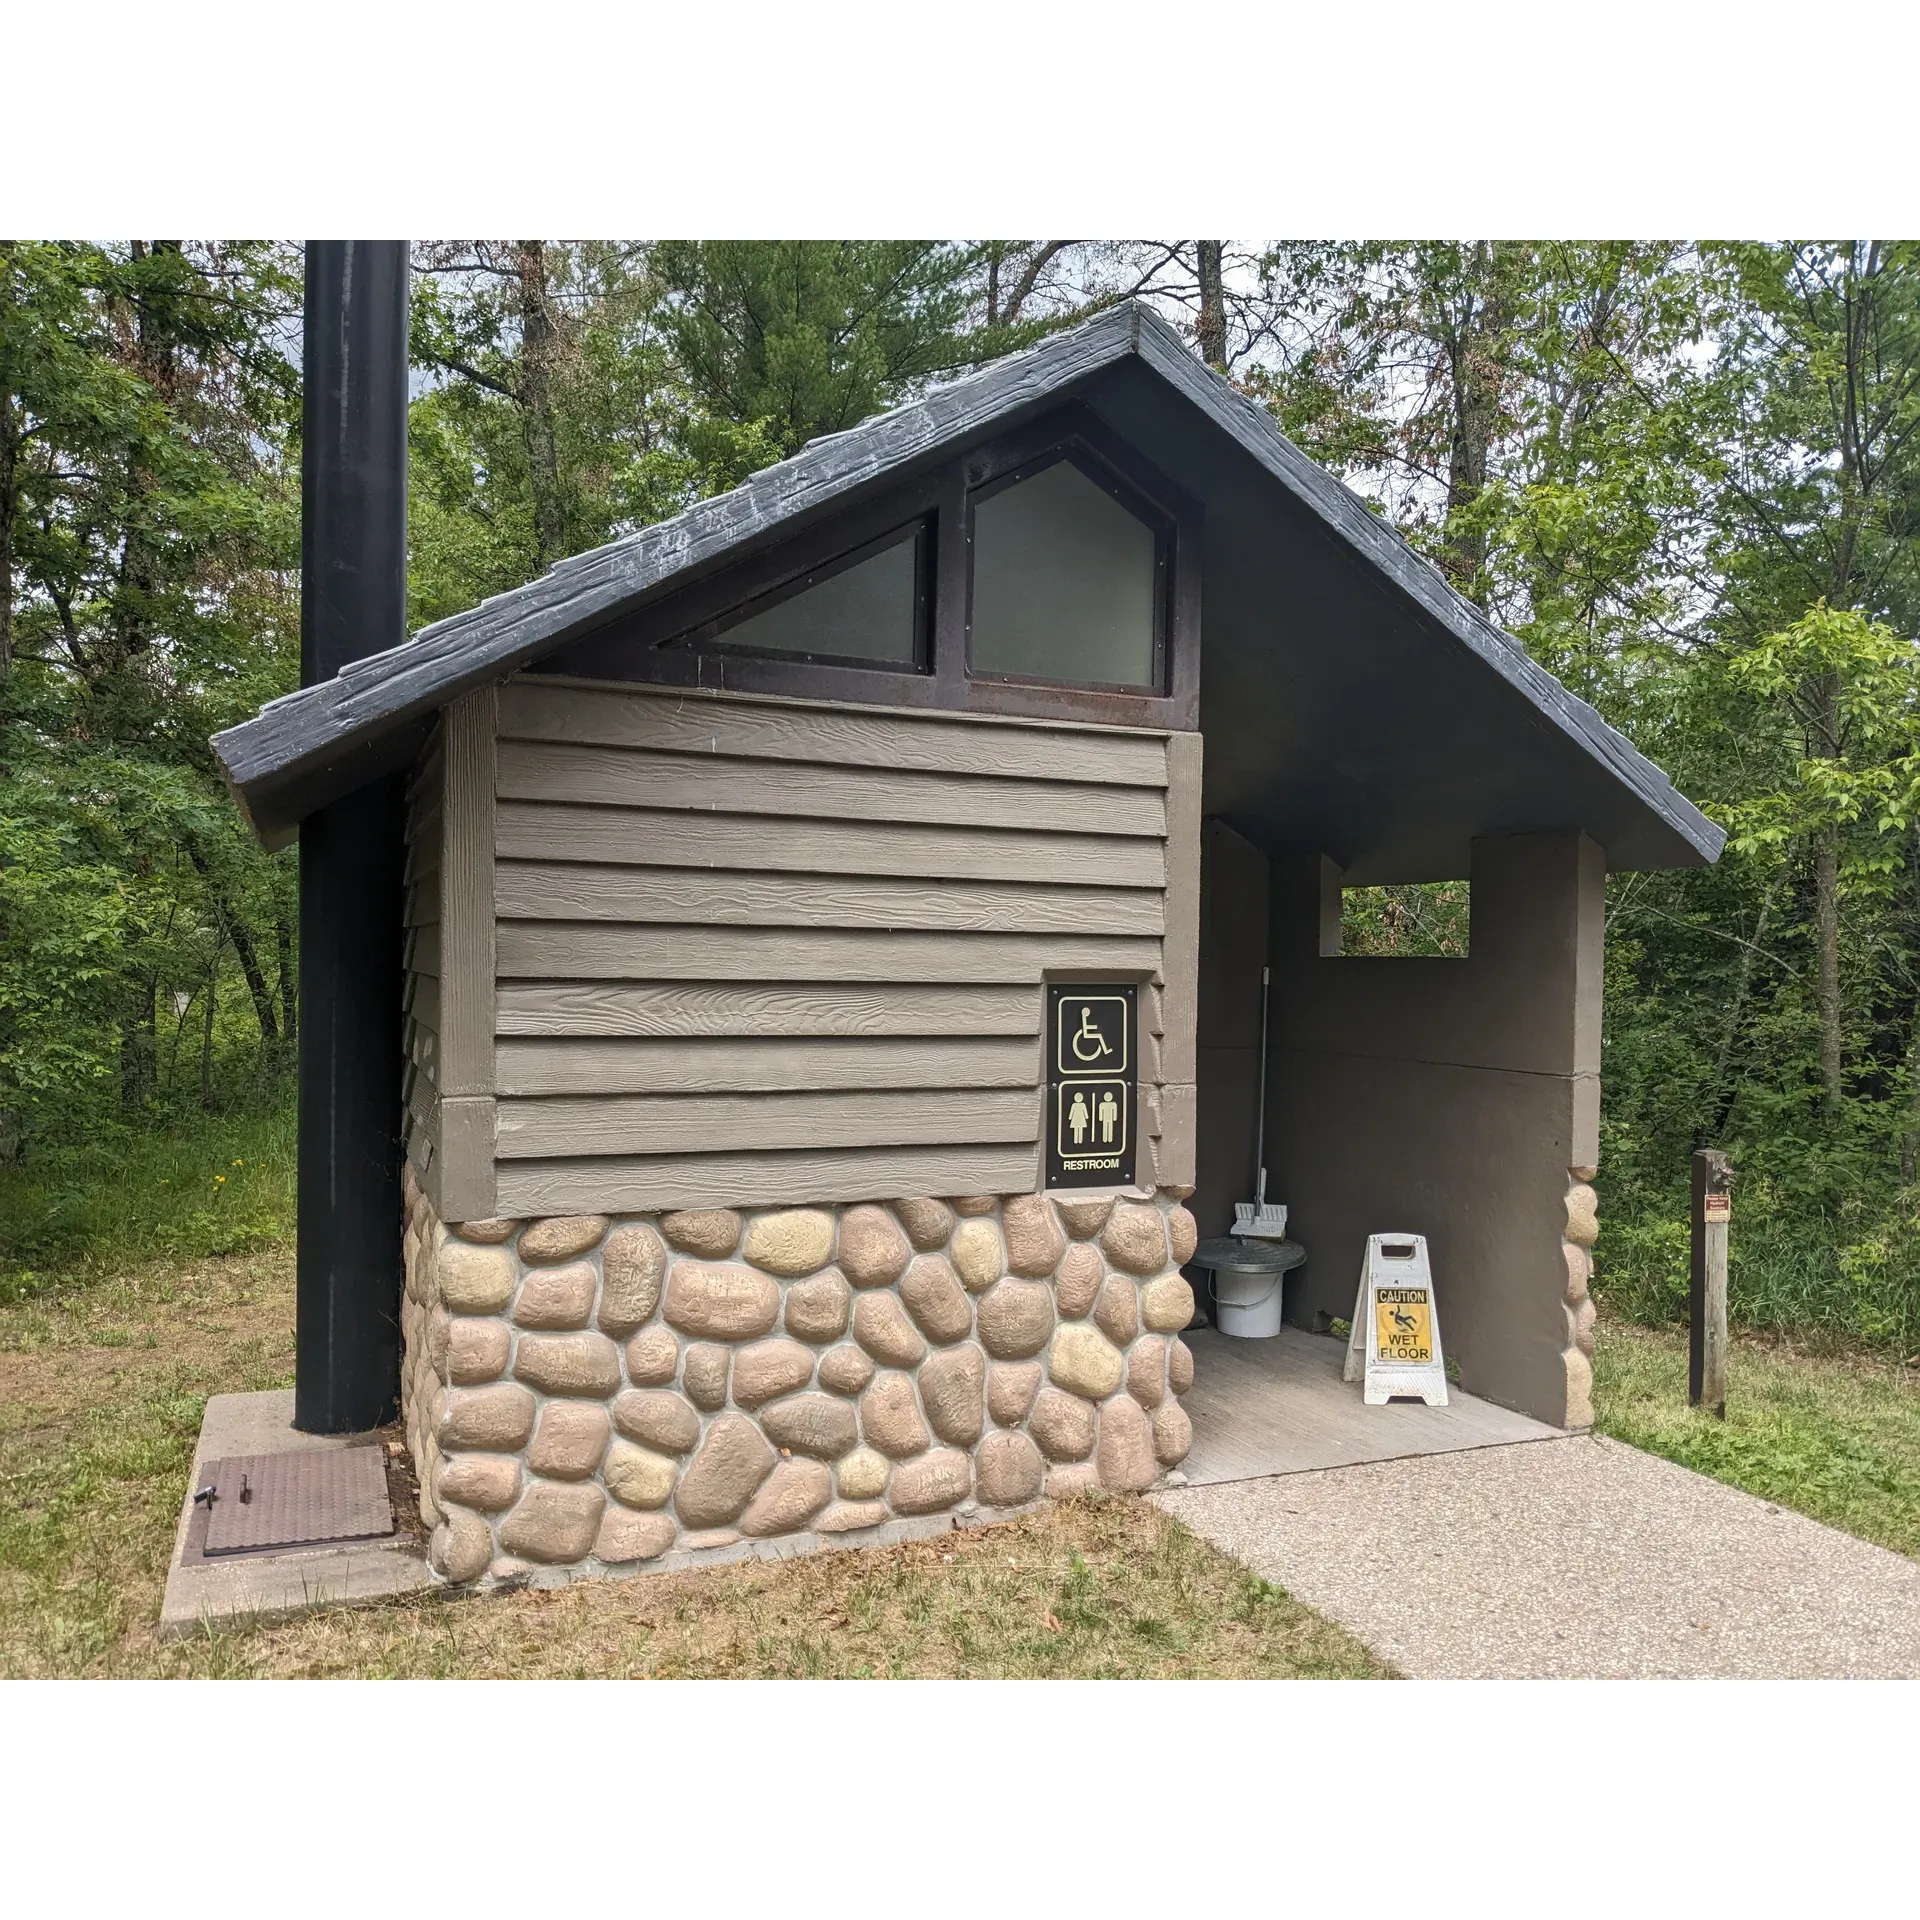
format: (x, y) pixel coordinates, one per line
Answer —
(1826, 916)
(139, 1046)
(206, 1038)
(539, 355)
(1213, 307)
(289, 983)
(1478, 355)
(235, 930)
(9, 500)
(1720, 1101)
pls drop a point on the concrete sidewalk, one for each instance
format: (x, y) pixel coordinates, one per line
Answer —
(1577, 1558)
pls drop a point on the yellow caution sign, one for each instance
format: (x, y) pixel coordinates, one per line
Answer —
(1395, 1342)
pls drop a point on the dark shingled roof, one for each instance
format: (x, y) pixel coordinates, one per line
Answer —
(310, 747)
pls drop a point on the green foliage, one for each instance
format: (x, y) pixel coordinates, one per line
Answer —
(1423, 918)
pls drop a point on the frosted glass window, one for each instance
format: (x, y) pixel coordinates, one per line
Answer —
(868, 611)
(1066, 583)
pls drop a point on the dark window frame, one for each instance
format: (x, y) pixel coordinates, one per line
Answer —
(1076, 453)
(654, 645)
(711, 634)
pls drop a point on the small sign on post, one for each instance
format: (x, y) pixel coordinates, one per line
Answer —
(1707, 1285)
(1395, 1342)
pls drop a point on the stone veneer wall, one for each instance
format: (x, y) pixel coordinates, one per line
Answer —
(589, 1393)
(1581, 1231)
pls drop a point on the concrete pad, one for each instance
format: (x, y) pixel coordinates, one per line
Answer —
(1280, 1406)
(1576, 1558)
(271, 1586)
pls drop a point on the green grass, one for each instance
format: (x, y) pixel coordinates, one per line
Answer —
(1834, 1434)
(222, 1184)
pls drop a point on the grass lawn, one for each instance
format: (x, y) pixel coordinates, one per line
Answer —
(1831, 1434)
(101, 1391)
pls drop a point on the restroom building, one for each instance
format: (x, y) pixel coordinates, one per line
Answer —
(834, 931)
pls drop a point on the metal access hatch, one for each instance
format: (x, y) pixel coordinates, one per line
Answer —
(266, 1502)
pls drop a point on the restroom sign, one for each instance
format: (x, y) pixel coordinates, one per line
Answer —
(1093, 1085)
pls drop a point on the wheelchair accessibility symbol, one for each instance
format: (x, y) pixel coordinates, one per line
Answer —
(1091, 1037)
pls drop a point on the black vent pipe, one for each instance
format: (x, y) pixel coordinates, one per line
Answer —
(353, 602)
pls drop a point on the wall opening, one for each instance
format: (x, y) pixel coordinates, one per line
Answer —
(1427, 920)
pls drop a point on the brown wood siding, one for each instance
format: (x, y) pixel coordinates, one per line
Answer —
(420, 1088)
(753, 951)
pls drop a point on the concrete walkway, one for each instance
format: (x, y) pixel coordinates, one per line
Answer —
(1576, 1558)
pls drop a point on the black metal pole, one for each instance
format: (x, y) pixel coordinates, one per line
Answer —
(353, 601)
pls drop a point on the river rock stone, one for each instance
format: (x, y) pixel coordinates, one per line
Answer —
(486, 1481)
(625, 1537)
(556, 1297)
(1580, 1320)
(1172, 1434)
(975, 1253)
(1179, 1366)
(1583, 1215)
(1034, 1242)
(817, 1309)
(486, 1419)
(1183, 1232)
(568, 1442)
(769, 1368)
(873, 1251)
(637, 1476)
(863, 1475)
(473, 1279)
(653, 1357)
(881, 1326)
(1579, 1372)
(1085, 1362)
(936, 1299)
(1010, 1391)
(795, 1491)
(952, 1386)
(845, 1370)
(812, 1423)
(1117, 1313)
(555, 1522)
(703, 1375)
(488, 1232)
(1078, 1281)
(710, 1232)
(1166, 1304)
(929, 1223)
(561, 1238)
(852, 1516)
(1083, 1218)
(1064, 1483)
(659, 1420)
(1063, 1424)
(1125, 1455)
(477, 1350)
(934, 1481)
(710, 1539)
(1135, 1238)
(1008, 1469)
(634, 1264)
(721, 1302)
(1015, 1318)
(796, 1241)
(462, 1547)
(725, 1474)
(973, 1205)
(1147, 1370)
(890, 1417)
(583, 1364)
(1579, 1272)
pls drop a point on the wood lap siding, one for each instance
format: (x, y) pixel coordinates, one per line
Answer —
(420, 1082)
(762, 952)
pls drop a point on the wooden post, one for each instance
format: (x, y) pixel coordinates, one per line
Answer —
(1707, 1291)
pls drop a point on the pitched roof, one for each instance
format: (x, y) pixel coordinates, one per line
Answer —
(309, 747)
